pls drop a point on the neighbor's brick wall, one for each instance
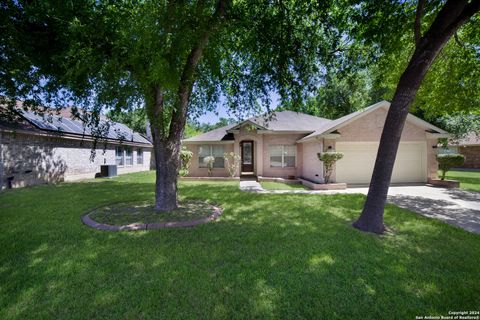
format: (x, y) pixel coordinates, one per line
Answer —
(33, 159)
(472, 156)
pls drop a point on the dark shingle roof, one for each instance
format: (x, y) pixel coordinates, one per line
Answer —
(312, 126)
(59, 124)
(219, 134)
(280, 121)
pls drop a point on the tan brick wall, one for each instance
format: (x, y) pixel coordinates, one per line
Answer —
(432, 164)
(472, 156)
(369, 128)
(34, 159)
(312, 167)
(365, 129)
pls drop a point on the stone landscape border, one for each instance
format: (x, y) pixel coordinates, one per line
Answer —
(151, 226)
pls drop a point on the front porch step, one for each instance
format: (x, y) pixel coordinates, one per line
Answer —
(251, 186)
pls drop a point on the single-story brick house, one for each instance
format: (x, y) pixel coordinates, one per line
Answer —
(470, 148)
(37, 149)
(287, 146)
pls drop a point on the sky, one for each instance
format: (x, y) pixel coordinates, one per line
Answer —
(212, 118)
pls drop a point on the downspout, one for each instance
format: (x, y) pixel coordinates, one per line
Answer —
(323, 167)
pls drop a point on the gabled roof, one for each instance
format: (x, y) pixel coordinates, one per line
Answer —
(286, 121)
(219, 134)
(290, 121)
(340, 122)
(333, 125)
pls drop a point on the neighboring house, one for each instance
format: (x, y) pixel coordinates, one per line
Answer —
(288, 144)
(470, 148)
(38, 149)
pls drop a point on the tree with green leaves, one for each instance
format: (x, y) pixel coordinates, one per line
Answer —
(341, 92)
(448, 161)
(449, 17)
(460, 125)
(135, 119)
(451, 85)
(205, 127)
(175, 58)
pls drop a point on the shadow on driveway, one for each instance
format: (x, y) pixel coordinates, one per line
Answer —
(463, 195)
(466, 218)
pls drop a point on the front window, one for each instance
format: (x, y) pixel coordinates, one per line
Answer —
(139, 156)
(282, 156)
(119, 156)
(213, 150)
(128, 156)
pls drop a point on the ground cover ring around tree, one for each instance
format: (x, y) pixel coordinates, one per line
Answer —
(141, 215)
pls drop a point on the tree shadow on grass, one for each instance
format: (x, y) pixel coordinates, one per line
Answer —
(269, 256)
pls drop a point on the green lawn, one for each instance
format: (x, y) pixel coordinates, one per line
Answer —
(469, 180)
(144, 212)
(281, 186)
(268, 256)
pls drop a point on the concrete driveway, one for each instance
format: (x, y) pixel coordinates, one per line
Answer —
(457, 207)
(454, 206)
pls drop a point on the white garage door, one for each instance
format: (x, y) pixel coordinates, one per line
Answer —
(358, 161)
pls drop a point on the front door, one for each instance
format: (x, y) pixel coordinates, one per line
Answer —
(247, 156)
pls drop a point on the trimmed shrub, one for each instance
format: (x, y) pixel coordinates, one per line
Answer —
(233, 162)
(329, 158)
(447, 161)
(185, 160)
(209, 161)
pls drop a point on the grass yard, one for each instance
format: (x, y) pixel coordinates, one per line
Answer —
(469, 180)
(268, 256)
(124, 213)
(281, 186)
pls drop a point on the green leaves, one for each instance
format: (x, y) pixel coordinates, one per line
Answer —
(329, 159)
(448, 161)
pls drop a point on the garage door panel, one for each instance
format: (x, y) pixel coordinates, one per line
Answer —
(359, 159)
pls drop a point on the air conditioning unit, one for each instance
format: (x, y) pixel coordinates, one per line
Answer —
(108, 170)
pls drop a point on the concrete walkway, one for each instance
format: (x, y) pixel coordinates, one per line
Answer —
(457, 207)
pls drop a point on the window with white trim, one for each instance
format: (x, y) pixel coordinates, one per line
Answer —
(139, 156)
(119, 160)
(128, 156)
(282, 156)
(213, 150)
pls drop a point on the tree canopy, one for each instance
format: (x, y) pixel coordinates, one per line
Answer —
(179, 59)
(109, 54)
(176, 58)
(353, 81)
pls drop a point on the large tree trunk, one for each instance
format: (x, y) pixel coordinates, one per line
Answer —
(166, 166)
(167, 135)
(166, 154)
(450, 18)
